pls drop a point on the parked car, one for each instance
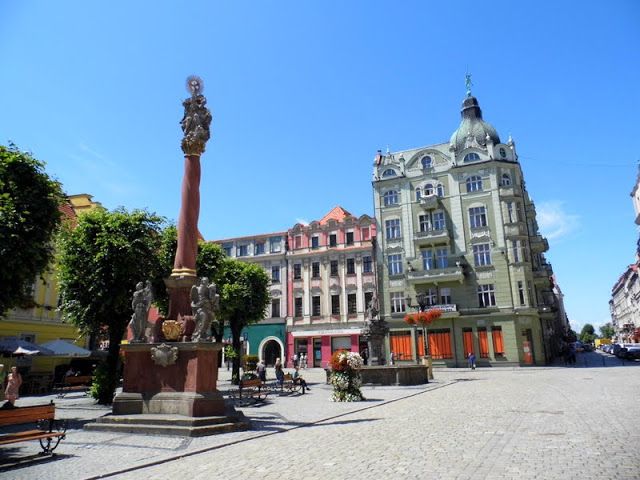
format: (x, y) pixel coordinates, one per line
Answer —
(605, 348)
(621, 352)
(578, 346)
(615, 348)
(587, 347)
(633, 353)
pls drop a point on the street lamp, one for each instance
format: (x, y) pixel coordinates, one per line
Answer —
(415, 331)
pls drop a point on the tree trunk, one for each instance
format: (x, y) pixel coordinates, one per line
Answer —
(110, 380)
(235, 370)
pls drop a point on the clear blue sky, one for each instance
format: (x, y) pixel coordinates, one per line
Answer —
(304, 93)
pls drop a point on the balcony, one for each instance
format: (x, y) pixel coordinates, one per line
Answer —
(508, 191)
(546, 309)
(436, 275)
(432, 237)
(429, 202)
(539, 244)
(515, 230)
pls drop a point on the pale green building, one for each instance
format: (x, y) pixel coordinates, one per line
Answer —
(457, 231)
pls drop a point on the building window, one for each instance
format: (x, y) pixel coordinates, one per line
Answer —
(275, 244)
(297, 241)
(397, 302)
(440, 190)
(442, 257)
(352, 307)
(389, 172)
(335, 304)
(351, 266)
(467, 341)
(275, 308)
(392, 227)
(228, 248)
(482, 254)
(440, 344)
(242, 251)
(365, 233)
(395, 264)
(477, 217)
(474, 184)
(400, 345)
(431, 296)
(367, 264)
(428, 189)
(315, 306)
(512, 212)
(260, 248)
(515, 247)
(427, 260)
(298, 307)
(426, 161)
(521, 292)
(424, 222)
(349, 238)
(486, 296)
(315, 241)
(438, 221)
(483, 342)
(333, 267)
(498, 342)
(390, 198)
(418, 194)
(333, 240)
(471, 157)
(503, 152)
(275, 274)
(368, 296)
(505, 181)
(297, 271)
(315, 270)
(445, 296)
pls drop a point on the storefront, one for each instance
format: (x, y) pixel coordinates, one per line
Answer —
(318, 345)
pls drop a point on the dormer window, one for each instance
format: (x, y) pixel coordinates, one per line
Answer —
(426, 161)
(389, 172)
(503, 152)
(471, 157)
(505, 181)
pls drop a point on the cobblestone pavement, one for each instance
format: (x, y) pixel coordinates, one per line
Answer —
(502, 423)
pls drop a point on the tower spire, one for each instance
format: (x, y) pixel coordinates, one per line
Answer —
(468, 83)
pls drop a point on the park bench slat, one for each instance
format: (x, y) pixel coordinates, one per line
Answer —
(19, 415)
(28, 435)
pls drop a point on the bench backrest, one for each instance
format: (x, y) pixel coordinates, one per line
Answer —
(19, 415)
(77, 380)
(251, 383)
(288, 377)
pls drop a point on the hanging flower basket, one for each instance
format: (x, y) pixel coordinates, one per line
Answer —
(345, 376)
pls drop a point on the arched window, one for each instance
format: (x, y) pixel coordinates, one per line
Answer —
(440, 190)
(428, 189)
(389, 172)
(390, 198)
(426, 161)
(471, 157)
(505, 181)
(503, 152)
(418, 194)
(474, 184)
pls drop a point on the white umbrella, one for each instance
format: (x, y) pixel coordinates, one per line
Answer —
(62, 348)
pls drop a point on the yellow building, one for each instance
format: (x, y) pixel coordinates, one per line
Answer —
(42, 322)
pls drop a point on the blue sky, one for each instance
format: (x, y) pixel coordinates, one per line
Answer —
(304, 93)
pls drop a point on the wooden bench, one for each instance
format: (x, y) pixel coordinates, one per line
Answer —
(289, 385)
(49, 431)
(74, 383)
(251, 389)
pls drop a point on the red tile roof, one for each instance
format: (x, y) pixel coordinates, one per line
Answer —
(338, 213)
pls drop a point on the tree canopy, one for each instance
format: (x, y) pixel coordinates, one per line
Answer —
(29, 217)
(99, 263)
(607, 330)
(587, 334)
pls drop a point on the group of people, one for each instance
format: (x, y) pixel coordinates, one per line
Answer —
(261, 370)
(300, 360)
(14, 381)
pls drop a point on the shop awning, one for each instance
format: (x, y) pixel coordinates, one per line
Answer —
(14, 346)
(62, 348)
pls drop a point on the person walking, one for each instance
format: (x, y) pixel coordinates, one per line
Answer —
(262, 371)
(295, 360)
(471, 358)
(13, 388)
(279, 373)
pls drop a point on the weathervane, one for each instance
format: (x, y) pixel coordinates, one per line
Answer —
(468, 83)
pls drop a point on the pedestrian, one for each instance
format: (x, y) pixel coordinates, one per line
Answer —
(297, 378)
(262, 371)
(391, 358)
(303, 360)
(13, 388)
(471, 358)
(295, 360)
(365, 356)
(279, 373)
(3, 374)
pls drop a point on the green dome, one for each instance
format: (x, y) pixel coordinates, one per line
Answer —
(472, 127)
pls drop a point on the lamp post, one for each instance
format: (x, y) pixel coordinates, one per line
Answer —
(415, 332)
(422, 306)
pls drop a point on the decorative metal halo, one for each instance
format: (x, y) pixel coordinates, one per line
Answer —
(195, 85)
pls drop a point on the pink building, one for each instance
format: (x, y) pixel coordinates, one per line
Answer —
(331, 279)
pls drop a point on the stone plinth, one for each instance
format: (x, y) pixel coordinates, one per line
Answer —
(187, 387)
(395, 375)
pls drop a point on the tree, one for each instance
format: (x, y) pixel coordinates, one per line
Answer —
(244, 296)
(99, 263)
(29, 218)
(607, 330)
(587, 334)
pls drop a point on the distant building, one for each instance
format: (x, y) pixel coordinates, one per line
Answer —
(265, 339)
(332, 278)
(457, 228)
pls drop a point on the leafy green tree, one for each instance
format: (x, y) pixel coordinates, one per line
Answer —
(29, 218)
(607, 330)
(587, 334)
(244, 296)
(99, 263)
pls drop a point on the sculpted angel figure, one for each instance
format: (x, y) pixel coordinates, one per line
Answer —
(141, 303)
(204, 303)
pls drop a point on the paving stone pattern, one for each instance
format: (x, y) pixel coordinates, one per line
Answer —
(495, 423)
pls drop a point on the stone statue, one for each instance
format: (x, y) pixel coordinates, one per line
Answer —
(141, 303)
(372, 308)
(196, 120)
(374, 331)
(204, 303)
